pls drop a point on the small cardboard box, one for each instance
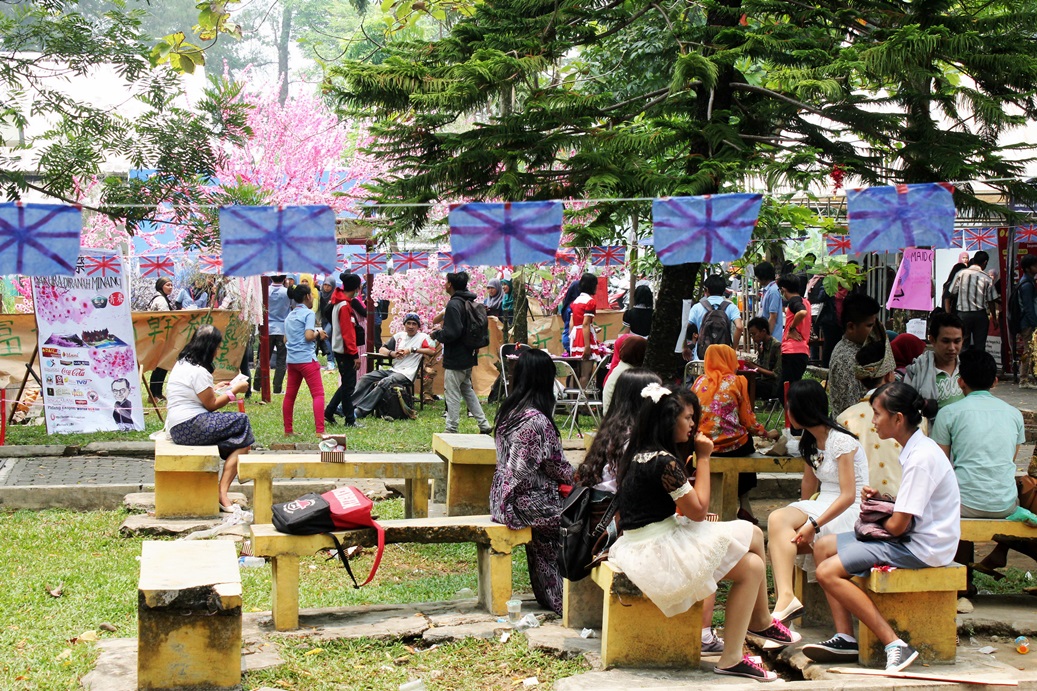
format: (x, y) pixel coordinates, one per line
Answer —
(334, 456)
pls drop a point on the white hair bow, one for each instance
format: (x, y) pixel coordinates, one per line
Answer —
(655, 392)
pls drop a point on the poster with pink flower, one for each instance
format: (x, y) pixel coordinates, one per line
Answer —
(88, 360)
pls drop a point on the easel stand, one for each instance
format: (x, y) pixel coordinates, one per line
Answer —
(29, 371)
(151, 396)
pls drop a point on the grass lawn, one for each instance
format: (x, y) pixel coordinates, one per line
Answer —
(97, 571)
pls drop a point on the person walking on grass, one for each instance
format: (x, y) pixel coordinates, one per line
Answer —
(300, 332)
(458, 359)
(344, 344)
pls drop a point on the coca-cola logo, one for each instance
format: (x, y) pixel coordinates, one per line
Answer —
(74, 371)
(298, 505)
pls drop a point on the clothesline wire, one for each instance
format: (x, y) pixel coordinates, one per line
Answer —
(602, 200)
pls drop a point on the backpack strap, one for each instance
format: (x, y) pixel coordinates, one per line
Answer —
(706, 304)
(341, 554)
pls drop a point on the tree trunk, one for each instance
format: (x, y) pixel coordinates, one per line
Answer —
(519, 328)
(282, 52)
(677, 285)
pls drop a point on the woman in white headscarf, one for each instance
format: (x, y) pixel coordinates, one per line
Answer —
(494, 299)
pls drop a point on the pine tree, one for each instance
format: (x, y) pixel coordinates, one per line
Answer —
(648, 99)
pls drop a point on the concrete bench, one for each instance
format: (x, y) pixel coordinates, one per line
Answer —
(471, 460)
(189, 616)
(920, 605)
(723, 478)
(415, 468)
(634, 633)
(494, 545)
(187, 481)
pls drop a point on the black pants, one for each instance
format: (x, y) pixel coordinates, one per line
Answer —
(158, 378)
(246, 361)
(746, 481)
(832, 333)
(344, 393)
(279, 361)
(793, 367)
(974, 328)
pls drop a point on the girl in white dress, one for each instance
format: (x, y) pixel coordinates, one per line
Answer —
(676, 561)
(836, 469)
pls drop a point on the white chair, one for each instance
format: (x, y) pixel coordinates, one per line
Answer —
(507, 366)
(572, 395)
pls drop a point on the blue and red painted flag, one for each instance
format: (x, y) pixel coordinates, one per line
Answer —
(371, 263)
(156, 266)
(888, 219)
(290, 239)
(609, 255)
(404, 261)
(39, 239)
(708, 229)
(837, 244)
(505, 234)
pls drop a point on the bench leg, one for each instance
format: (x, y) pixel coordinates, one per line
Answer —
(263, 499)
(581, 604)
(187, 494)
(415, 501)
(723, 495)
(468, 489)
(926, 620)
(284, 592)
(494, 579)
(634, 633)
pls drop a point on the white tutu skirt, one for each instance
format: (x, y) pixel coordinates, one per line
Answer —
(677, 562)
(843, 523)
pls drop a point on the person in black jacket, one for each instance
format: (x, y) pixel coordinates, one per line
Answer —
(458, 360)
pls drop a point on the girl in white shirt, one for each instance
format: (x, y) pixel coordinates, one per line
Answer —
(191, 417)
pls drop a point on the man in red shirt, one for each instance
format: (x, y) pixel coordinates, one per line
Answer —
(343, 343)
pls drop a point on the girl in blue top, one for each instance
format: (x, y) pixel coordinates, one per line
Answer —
(300, 331)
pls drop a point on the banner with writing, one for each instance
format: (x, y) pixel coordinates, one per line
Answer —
(913, 286)
(88, 363)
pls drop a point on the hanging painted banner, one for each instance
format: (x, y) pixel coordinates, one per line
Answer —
(888, 219)
(711, 228)
(290, 239)
(156, 266)
(1026, 233)
(445, 262)
(837, 244)
(39, 239)
(210, 264)
(505, 234)
(609, 255)
(980, 238)
(913, 285)
(565, 256)
(88, 362)
(371, 263)
(404, 261)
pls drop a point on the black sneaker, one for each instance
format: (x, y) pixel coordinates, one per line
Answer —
(835, 649)
(899, 657)
(747, 668)
(777, 633)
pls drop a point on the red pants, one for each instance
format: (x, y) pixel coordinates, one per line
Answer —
(309, 371)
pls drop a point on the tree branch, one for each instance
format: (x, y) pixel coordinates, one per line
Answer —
(774, 94)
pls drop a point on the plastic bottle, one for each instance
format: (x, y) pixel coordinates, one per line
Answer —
(1022, 645)
(251, 562)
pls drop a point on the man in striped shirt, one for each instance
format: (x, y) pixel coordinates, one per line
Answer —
(977, 296)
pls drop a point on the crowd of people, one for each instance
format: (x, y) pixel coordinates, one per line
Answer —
(909, 421)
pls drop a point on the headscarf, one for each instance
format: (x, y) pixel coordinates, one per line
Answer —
(615, 354)
(629, 348)
(493, 302)
(877, 370)
(509, 300)
(721, 362)
(159, 285)
(906, 349)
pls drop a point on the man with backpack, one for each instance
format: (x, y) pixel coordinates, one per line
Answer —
(1024, 319)
(465, 330)
(714, 316)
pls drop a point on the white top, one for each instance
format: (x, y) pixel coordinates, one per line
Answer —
(610, 385)
(929, 492)
(827, 472)
(183, 385)
(408, 364)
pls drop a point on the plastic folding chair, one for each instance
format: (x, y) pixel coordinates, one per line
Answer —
(572, 395)
(507, 364)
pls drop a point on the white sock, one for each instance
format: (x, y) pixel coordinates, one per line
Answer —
(846, 637)
(896, 643)
(707, 634)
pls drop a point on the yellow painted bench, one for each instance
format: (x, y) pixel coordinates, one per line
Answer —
(471, 460)
(723, 478)
(920, 605)
(187, 483)
(416, 469)
(189, 616)
(634, 633)
(494, 545)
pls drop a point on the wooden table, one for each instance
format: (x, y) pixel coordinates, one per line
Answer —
(415, 468)
(471, 460)
(723, 478)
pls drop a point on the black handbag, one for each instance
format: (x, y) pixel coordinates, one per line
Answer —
(580, 533)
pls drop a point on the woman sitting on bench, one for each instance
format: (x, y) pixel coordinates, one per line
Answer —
(192, 401)
(836, 469)
(676, 561)
(530, 469)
